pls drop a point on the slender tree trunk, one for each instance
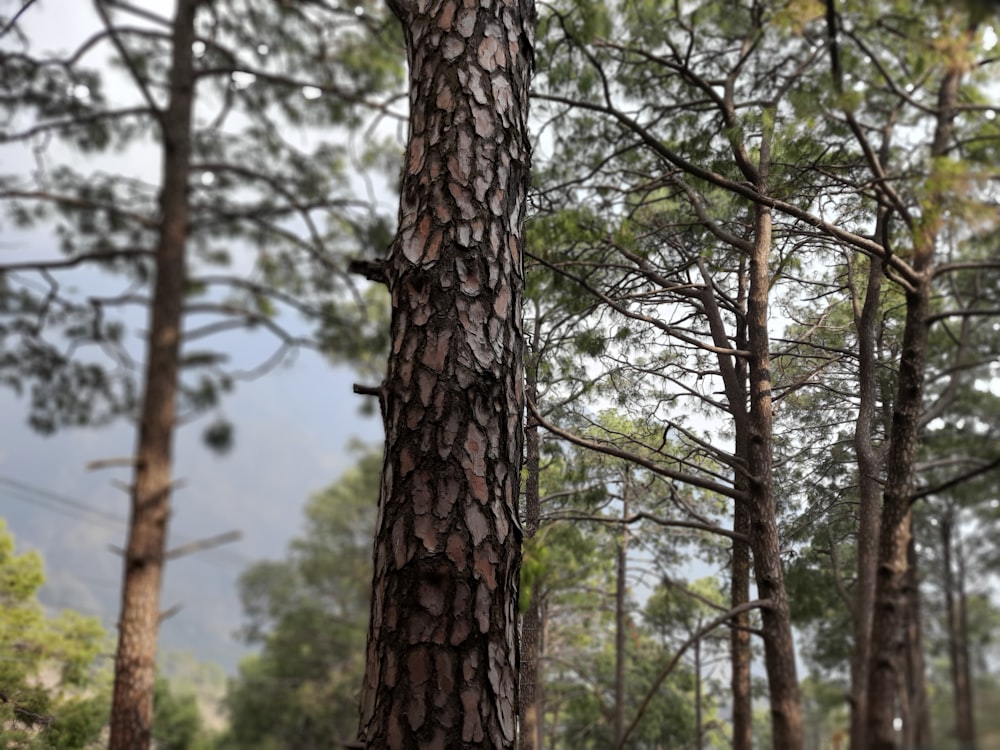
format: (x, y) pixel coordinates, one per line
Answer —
(916, 731)
(698, 709)
(958, 646)
(886, 658)
(442, 668)
(869, 470)
(779, 646)
(135, 659)
(734, 379)
(739, 637)
(621, 621)
(531, 730)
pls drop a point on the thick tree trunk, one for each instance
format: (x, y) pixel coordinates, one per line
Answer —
(531, 729)
(135, 660)
(442, 666)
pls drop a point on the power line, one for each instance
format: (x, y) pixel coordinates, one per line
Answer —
(83, 511)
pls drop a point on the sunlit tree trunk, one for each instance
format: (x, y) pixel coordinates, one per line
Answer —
(442, 668)
(135, 659)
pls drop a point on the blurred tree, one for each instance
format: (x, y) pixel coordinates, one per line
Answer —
(309, 614)
(211, 92)
(50, 695)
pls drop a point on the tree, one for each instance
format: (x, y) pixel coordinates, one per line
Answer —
(34, 712)
(442, 649)
(309, 614)
(227, 177)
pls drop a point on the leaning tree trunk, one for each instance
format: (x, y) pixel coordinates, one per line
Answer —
(442, 664)
(135, 660)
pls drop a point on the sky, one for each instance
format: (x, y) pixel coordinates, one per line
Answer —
(293, 432)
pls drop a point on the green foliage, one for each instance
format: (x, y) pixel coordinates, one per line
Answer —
(50, 664)
(273, 193)
(309, 615)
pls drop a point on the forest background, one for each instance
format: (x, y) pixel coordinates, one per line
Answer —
(594, 361)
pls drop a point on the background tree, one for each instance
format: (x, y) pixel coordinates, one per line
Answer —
(309, 615)
(227, 177)
(48, 664)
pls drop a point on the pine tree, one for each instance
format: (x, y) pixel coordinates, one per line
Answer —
(442, 652)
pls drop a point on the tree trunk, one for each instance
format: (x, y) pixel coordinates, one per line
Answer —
(621, 621)
(958, 644)
(779, 646)
(734, 379)
(885, 661)
(869, 469)
(531, 729)
(442, 669)
(917, 730)
(739, 635)
(135, 659)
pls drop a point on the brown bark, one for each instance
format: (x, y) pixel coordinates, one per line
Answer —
(135, 660)
(776, 627)
(734, 380)
(887, 649)
(869, 469)
(739, 638)
(917, 722)
(442, 666)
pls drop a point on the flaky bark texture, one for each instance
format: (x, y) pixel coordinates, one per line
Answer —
(135, 660)
(442, 654)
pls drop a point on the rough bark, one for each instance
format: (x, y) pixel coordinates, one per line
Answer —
(739, 638)
(135, 659)
(734, 380)
(917, 724)
(442, 667)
